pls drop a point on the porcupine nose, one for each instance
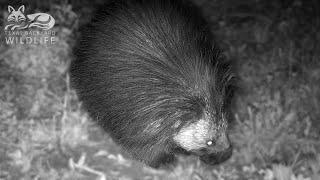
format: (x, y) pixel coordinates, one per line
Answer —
(220, 152)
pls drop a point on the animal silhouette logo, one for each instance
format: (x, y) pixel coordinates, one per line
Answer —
(17, 20)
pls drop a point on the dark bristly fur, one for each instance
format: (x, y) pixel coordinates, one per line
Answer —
(146, 68)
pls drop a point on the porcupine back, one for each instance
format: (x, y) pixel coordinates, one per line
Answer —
(143, 69)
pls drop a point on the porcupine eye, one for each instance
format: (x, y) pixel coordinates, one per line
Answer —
(210, 143)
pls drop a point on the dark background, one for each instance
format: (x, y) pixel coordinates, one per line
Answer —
(275, 45)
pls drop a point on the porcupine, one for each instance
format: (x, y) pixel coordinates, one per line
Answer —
(150, 74)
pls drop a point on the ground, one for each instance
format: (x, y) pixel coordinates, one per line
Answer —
(46, 134)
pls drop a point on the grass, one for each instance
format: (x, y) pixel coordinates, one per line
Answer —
(45, 133)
